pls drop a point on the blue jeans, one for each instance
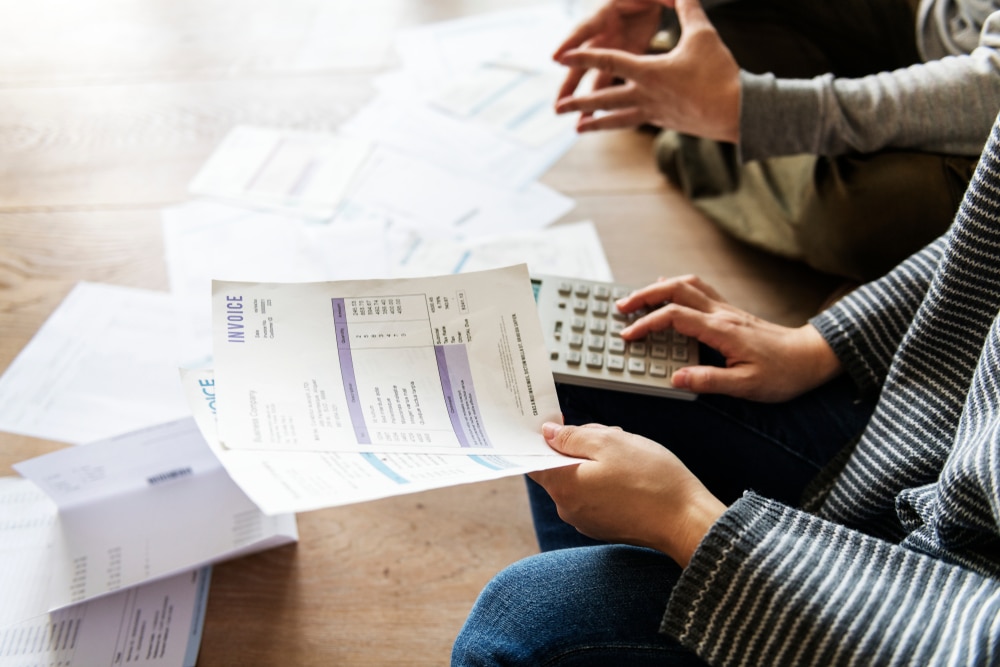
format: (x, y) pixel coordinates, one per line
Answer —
(581, 602)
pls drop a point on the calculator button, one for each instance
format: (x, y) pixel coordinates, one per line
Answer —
(619, 293)
(680, 338)
(602, 292)
(573, 357)
(575, 340)
(565, 287)
(637, 366)
(578, 324)
(595, 359)
(658, 336)
(598, 326)
(638, 348)
(680, 353)
(616, 328)
(616, 345)
(582, 289)
(658, 370)
(599, 308)
(616, 363)
(658, 351)
(618, 314)
(595, 343)
(580, 305)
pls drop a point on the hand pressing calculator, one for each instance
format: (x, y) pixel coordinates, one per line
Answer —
(582, 328)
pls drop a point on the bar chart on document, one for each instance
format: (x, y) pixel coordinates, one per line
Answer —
(308, 367)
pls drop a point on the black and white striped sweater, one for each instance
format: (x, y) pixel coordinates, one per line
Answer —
(898, 560)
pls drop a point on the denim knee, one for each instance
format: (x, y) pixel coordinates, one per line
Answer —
(582, 606)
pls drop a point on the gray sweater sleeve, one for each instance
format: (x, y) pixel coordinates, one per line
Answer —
(945, 105)
(866, 327)
(770, 585)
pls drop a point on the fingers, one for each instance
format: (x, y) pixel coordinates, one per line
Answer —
(616, 63)
(611, 121)
(580, 35)
(687, 290)
(614, 97)
(570, 83)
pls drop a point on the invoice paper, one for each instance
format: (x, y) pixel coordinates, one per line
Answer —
(159, 623)
(299, 481)
(453, 363)
(122, 512)
(104, 363)
(205, 240)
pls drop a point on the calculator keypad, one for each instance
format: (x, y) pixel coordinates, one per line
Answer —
(583, 331)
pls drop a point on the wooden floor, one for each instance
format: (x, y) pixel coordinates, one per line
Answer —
(107, 109)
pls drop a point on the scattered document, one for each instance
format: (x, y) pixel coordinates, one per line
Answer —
(428, 365)
(206, 240)
(159, 623)
(291, 171)
(122, 512)
(301, 481)
(573, 250)
(436, 202)
(436, 53)
(104, 363)
(413, 127)
(513, 100)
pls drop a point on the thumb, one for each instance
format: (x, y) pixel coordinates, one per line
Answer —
(691, 14)
(569, 440)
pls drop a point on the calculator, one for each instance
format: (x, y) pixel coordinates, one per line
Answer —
(582, 328)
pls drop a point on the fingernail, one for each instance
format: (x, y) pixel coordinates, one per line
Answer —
(550, 429)
(681, 379)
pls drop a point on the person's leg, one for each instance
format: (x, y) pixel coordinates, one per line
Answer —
(575, 608)
(855, 216)
(732, 445)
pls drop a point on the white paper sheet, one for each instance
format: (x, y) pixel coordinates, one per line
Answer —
(431, 365)
(282, 481)
(435, 53)
(513, 101)
(573, 250)
(207, 240)
(290, 171)
(122, 512)
(159, 623)
(413, 127)
(104, 363)
(437, 202)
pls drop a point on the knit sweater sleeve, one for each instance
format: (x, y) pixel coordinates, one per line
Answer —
(946, 105)
(866, 327)
(770, 585)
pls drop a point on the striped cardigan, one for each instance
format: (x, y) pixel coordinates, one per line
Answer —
(895, 560)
